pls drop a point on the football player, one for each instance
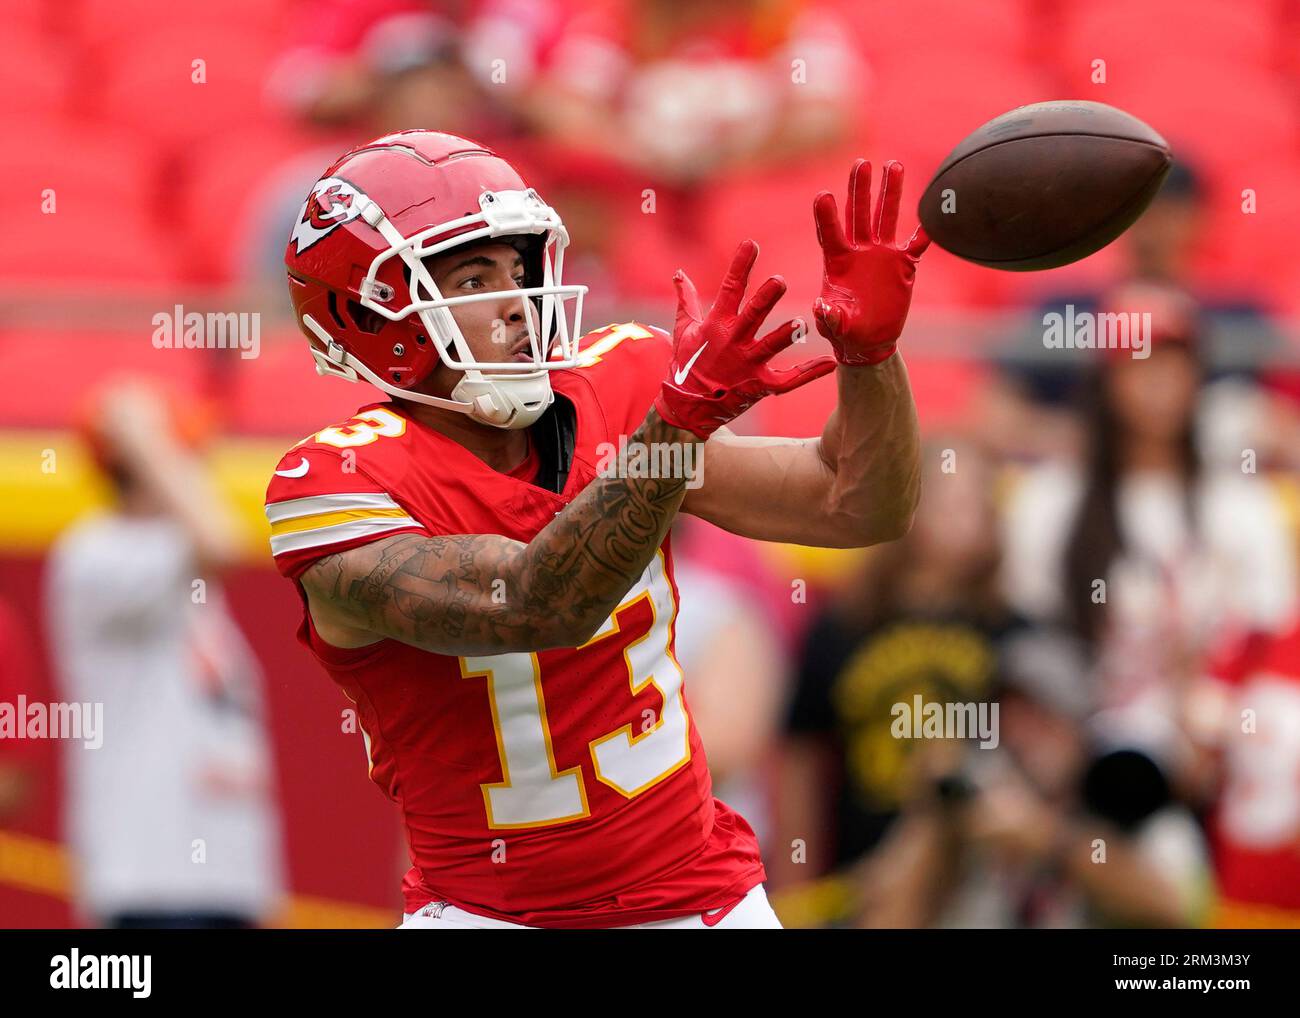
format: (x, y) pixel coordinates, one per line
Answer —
(497, 602)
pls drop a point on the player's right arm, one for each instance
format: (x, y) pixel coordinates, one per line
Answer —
(487, 594)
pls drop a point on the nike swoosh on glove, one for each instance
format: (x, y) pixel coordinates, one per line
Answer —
(867, 277)
(719, 370)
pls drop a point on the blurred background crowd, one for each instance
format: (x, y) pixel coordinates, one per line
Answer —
(1106, 545)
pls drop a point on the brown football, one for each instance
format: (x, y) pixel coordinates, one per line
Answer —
(1044, 185)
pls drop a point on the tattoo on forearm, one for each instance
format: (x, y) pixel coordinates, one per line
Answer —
(486, 593)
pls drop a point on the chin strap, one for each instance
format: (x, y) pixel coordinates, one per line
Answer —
(513, 401)
(488, 400)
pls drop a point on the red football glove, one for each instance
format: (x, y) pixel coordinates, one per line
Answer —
(719, 370)
(867, 279)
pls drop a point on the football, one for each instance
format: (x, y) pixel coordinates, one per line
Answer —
(1044, 185)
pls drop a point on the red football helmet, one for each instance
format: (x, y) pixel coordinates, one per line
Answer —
(369, 306)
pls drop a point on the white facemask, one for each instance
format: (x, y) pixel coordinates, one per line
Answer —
(505, 394)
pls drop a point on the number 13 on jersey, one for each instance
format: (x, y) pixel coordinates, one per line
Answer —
(533, 791)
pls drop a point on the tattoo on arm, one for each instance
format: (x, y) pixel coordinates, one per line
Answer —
(484, 594)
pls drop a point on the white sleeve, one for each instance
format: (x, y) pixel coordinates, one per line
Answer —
(1036, 526)
(108, 582)
(1251, 530)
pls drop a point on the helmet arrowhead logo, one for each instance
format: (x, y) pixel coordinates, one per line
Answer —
(332, 203)
(324, 206)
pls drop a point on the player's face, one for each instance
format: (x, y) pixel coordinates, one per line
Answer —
(496, 330)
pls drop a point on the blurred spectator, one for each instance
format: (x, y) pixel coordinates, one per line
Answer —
(925, 618)
(1023, 415)
(1277, 427)
(379, 66)
(1246, 721)
(371, 67)
(1064, 824)
(651, 112)
(1027, 413)
(1162, 244)
(685, 93)
(1142, 551)
(171, 820)
(734, 666)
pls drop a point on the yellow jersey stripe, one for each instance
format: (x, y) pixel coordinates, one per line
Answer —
(318, 520)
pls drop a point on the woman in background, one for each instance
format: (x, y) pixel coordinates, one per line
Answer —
(1144, 552)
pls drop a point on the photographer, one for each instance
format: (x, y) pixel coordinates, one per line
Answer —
(1070, 821)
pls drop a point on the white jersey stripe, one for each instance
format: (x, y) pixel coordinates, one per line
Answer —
(338, 532)
(311, 505)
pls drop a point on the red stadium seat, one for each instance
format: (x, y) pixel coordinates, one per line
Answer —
(1290, 61)
(1287, 291)
(649, 248)
(102, 21)
(925, 109)
(35, 16)
(92, 169)
(283, 395)
(58, 254)
(784, 228)
(945, 281)
(102, 186)
(1253, 252)
(36, 394)
(1219, 115)
(224, 186)
(1131, 37)
(35, 77)
(890, 32)
(944, 390)
(149, 89)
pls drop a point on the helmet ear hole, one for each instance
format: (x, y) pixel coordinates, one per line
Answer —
(333, 304)
(365, 319)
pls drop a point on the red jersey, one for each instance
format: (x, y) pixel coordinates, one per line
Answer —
(565, 787)
(1256, 827)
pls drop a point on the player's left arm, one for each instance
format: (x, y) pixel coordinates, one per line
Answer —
(858, 483)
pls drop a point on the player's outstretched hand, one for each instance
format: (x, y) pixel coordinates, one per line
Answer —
(719, 369)
(867, 277)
